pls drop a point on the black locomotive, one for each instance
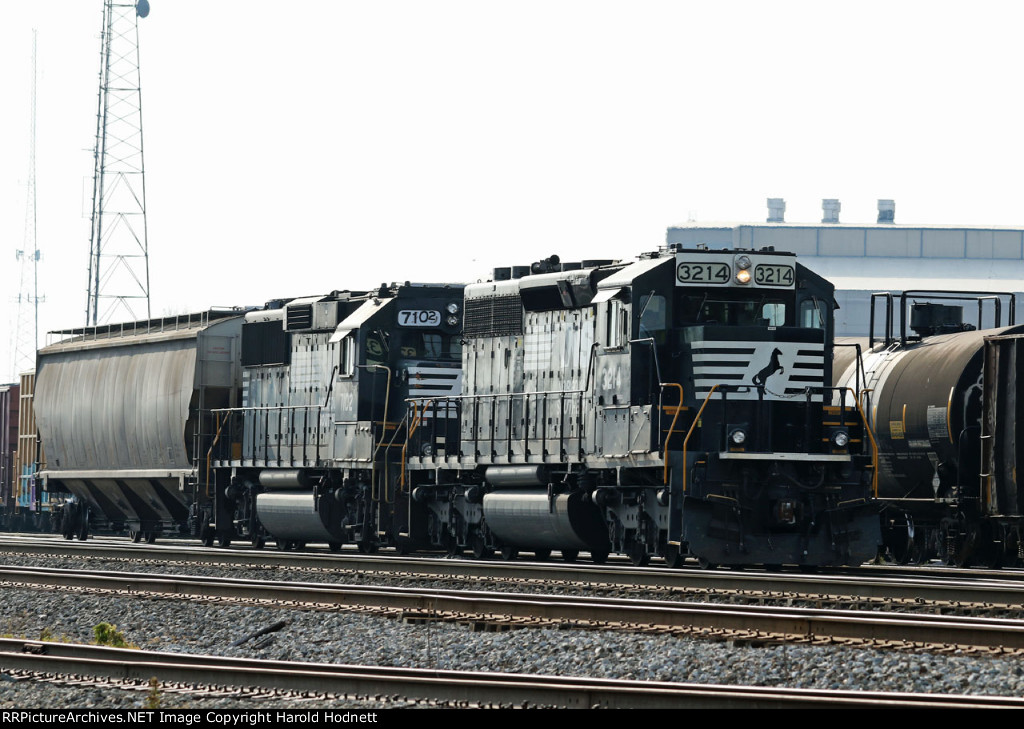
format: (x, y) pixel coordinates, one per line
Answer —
(679, 405)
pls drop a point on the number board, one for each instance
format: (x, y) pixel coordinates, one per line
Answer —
(773, 274)
(711, 273)
(419, 318)
(719, 269)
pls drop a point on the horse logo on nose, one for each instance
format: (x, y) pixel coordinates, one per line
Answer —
(772, 367)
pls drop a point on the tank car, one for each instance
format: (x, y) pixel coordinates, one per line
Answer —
(676, 406)
(941, 400)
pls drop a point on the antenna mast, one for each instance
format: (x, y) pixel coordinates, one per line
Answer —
(27, 337)
(118, 247)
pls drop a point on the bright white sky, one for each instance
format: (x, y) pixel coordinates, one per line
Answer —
(296, 148)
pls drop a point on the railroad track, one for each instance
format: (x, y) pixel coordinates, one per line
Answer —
(718, 621)
(936, 591)
(201, 673)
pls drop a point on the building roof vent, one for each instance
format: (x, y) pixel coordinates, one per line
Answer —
(886, 211)
(830, 210)
(776, 210)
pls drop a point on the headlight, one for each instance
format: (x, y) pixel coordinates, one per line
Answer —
(453, 308)
(427, 449)
(738, 436)
(743, 276)
(743, 263)
(840, 438)
(452, 321)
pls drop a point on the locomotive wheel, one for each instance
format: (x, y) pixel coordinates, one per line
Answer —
(599, 557)
(83, 529)
(207, 536)
(570, 555)
(772, 567)
(673, 556)
(509, 554)
(135, 536)
(150, 537)
(480, 548)
(638, 554)
(542, 555)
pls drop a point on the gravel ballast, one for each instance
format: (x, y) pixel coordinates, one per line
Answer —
(353, 638)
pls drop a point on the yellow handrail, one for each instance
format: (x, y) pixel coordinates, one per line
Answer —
(413, 424)
(871, 437)
(673, 425)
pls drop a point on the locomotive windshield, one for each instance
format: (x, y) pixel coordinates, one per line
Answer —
(434, 346)
(702, 309)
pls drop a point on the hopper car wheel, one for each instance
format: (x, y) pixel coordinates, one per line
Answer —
(334, 546)
(223, 541)
(207, 536)
(599, 557)
(570, 555)
(480, 548)
(674, 556)
(366, 547)
(772, 567)
(150, 537)
(135, 536)
(705, 564)
(258, 542)
(83, 529)
(542, 555)
(299, 546)
(282, 545)
(810, 569)
(509, 554)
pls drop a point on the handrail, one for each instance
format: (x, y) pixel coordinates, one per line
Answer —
(209, 452)
(693, 426)
(671, 427)
(871, 437)
(413, 425)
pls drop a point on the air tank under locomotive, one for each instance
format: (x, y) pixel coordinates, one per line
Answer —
(926, 395)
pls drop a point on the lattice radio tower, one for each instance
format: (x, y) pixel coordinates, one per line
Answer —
(118, 249)
(27, 329)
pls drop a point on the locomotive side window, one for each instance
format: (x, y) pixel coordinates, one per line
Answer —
(616, 325)
(812, 315)
(653, 310)
(347, 356)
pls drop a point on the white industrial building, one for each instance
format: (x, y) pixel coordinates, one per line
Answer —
(860, 259)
